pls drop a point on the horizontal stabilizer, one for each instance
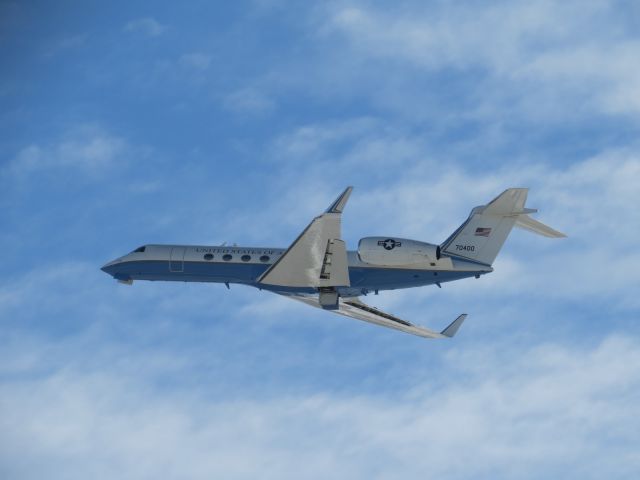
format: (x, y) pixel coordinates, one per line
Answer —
(527, 223)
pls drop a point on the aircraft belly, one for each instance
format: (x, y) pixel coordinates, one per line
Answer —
(389, 278)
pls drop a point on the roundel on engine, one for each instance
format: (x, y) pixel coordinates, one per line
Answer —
(389, 243)
(390, 251)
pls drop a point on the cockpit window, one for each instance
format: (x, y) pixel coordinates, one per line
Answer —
(139, 249)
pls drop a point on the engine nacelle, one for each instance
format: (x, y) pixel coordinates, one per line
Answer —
(391, 251)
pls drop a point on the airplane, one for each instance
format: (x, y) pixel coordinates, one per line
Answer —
(318, 270)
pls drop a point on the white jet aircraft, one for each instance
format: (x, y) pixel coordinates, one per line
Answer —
(318, 270)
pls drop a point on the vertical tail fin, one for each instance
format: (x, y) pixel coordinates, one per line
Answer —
(482, 235)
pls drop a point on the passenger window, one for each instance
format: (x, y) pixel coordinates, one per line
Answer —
(226, 257)
(264, 258)
(208, 256)
(245, 258)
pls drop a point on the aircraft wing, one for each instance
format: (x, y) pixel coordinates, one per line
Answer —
(318, 257)
(354, 308)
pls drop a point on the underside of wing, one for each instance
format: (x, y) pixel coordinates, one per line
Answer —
(354, 308)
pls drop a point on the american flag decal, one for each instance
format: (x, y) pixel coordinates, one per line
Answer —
(482, 232)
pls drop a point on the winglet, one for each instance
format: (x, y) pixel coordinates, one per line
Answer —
(340, 202)
(451, 330)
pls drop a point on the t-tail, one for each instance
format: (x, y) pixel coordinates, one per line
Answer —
(482, 235)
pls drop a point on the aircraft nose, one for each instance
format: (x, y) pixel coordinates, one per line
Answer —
(110, 267)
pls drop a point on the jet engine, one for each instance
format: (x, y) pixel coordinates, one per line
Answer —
(391, 251)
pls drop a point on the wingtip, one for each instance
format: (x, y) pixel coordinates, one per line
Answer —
(338, 205)
(452, 329)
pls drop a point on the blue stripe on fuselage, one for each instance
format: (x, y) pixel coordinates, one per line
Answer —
(361, 278)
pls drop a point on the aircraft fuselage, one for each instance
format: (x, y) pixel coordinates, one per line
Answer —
(244, 265)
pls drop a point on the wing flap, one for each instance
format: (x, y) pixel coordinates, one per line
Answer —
(354, 308)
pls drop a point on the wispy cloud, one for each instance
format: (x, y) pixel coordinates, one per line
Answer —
(563, 53)
(197, 60)
(249, 100)
(148, 26)
(91, 150)
(65, 43)
(550, 410)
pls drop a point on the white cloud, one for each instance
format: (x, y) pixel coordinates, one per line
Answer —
(148, 26)
(90, 150)
(196, 60)
(65, 43)
(249, 100)
(548, 411)
(312, 142)
(548, 59)
(462, 35)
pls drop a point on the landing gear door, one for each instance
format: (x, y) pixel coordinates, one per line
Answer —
(176, 262)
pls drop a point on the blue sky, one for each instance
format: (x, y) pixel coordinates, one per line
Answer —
(124, 123)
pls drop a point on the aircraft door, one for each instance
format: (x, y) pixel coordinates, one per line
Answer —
(176, 261)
